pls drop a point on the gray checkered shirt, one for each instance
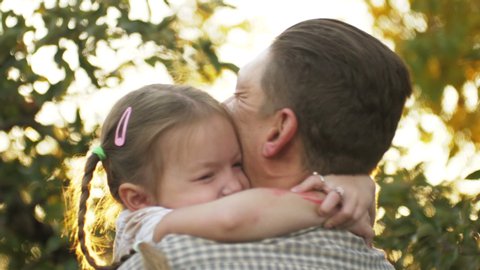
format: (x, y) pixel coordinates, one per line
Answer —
(313, 248)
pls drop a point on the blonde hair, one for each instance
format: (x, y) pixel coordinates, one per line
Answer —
(155, 109)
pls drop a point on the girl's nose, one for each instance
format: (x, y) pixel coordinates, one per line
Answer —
(232, 186)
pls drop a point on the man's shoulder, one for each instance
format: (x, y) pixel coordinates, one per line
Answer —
(313, 248)
(314, 237)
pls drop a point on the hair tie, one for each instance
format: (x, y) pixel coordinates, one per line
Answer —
(98, 150)
(121, 132)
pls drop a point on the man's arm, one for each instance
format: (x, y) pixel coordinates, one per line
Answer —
(249, 215)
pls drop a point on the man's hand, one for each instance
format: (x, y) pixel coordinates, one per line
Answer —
(350, 207)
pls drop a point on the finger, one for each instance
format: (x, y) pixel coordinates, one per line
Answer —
(311, 183)
(357, 217)
(342, 216)
(363, 229)
(330, 204)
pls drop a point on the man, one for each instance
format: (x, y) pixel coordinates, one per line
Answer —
(324, 97)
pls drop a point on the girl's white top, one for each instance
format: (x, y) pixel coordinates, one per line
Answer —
(136, 226)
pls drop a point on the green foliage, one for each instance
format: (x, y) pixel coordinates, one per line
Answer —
(474, 176)
(439, 40)
(426, 226)
(429, 226)
(31, 172)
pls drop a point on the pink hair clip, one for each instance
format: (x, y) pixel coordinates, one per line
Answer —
(122, 124)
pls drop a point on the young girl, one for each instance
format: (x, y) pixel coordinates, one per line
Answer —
(168, 147)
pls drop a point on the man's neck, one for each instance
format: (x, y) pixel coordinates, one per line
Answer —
(285, 174)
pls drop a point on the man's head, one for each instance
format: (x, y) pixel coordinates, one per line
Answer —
(345, 88)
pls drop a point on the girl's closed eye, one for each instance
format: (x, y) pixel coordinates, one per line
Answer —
(238, 165)
(205, 177)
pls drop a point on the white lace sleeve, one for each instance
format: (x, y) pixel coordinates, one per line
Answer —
(133, 227)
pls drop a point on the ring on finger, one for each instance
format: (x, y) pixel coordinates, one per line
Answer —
(319, 176)
(340, 191)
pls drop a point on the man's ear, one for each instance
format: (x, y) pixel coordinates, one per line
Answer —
(134, 197)
(282, 132)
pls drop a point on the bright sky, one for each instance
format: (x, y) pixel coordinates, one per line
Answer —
(269, 18)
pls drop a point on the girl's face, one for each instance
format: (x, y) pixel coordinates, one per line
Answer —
(201, 163)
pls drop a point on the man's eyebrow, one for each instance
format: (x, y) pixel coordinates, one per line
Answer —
(239, 92)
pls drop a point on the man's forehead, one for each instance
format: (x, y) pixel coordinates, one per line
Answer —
(250, 74)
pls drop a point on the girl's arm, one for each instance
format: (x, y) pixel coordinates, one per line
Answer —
(357, 202)
(248, 215)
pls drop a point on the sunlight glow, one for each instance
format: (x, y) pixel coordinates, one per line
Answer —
(87, 5)
(408, 259)
(4, 141)
(42, 64)
(380, 213)
(429, 210)
(25, 90)
(431, 123)
(431, 146)
(19, 6)
(47, 146)
(70, 55)
(49, 115)
(402, 6)
(32, 134)
(4, 261)
(470, 92)
(416, 21)
(378, 3)
(39, 213)
(449, 100)
(390, 159)
(16, 136)
(10, 22)
(68, 109)
(41, 31)
(13, 74)
(25, 196)
(396, 254)
(158, 10)
(41, 87)
(403, 211)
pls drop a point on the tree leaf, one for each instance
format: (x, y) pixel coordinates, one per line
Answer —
(473, 176)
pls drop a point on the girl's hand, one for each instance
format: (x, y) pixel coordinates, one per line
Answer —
(350, 200)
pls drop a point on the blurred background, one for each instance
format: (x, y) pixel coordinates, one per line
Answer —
(63, 63)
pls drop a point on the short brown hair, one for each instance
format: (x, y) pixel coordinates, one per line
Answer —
(347, 89)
